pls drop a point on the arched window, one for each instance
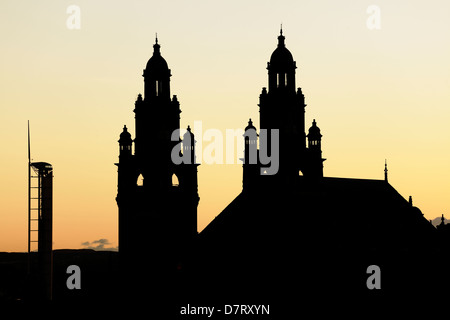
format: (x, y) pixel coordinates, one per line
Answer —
(140, 180)
(175, 182)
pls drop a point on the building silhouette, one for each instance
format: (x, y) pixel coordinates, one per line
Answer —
(157, 199)
(292, 229)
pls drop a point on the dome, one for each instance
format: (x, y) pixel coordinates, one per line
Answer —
(188, 134)
(157, 64)
(250, 125)
(314, 131)
(281, 58)
(125, 136)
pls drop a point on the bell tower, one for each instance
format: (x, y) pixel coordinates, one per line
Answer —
(282, 107)
(157, 198)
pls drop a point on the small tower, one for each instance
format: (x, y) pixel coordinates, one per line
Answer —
(189, 146)
(314, 138)
(125, 143)
(250, 161)
(315, 167)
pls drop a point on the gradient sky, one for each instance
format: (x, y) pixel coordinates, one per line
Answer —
(376, 94)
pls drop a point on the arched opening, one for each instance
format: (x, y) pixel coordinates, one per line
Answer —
(140, 180)
(175, 182)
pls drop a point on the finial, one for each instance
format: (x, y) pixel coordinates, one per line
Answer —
(125, 128)
(281, 38)
(189, 128)
(250, 122)
(156, 46)
(385, 171)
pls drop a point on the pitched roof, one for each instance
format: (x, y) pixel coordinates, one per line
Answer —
(341, 211)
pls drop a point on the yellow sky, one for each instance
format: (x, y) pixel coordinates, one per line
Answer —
(375, 94)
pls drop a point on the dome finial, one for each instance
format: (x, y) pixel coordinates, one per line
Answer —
(281, 37)
(156, 46)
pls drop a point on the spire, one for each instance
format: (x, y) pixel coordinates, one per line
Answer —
(156, 46)
(385, 171)
(281, 37)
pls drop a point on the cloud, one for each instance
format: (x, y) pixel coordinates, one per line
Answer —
(100, 245)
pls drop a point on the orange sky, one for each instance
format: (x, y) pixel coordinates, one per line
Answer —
(375, 94)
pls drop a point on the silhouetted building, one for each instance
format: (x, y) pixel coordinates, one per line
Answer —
(297, 221)
(157, 199)
(283, 228)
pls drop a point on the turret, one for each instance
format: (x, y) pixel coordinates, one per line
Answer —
(125, 143)
(250, 165)
(189, 146)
